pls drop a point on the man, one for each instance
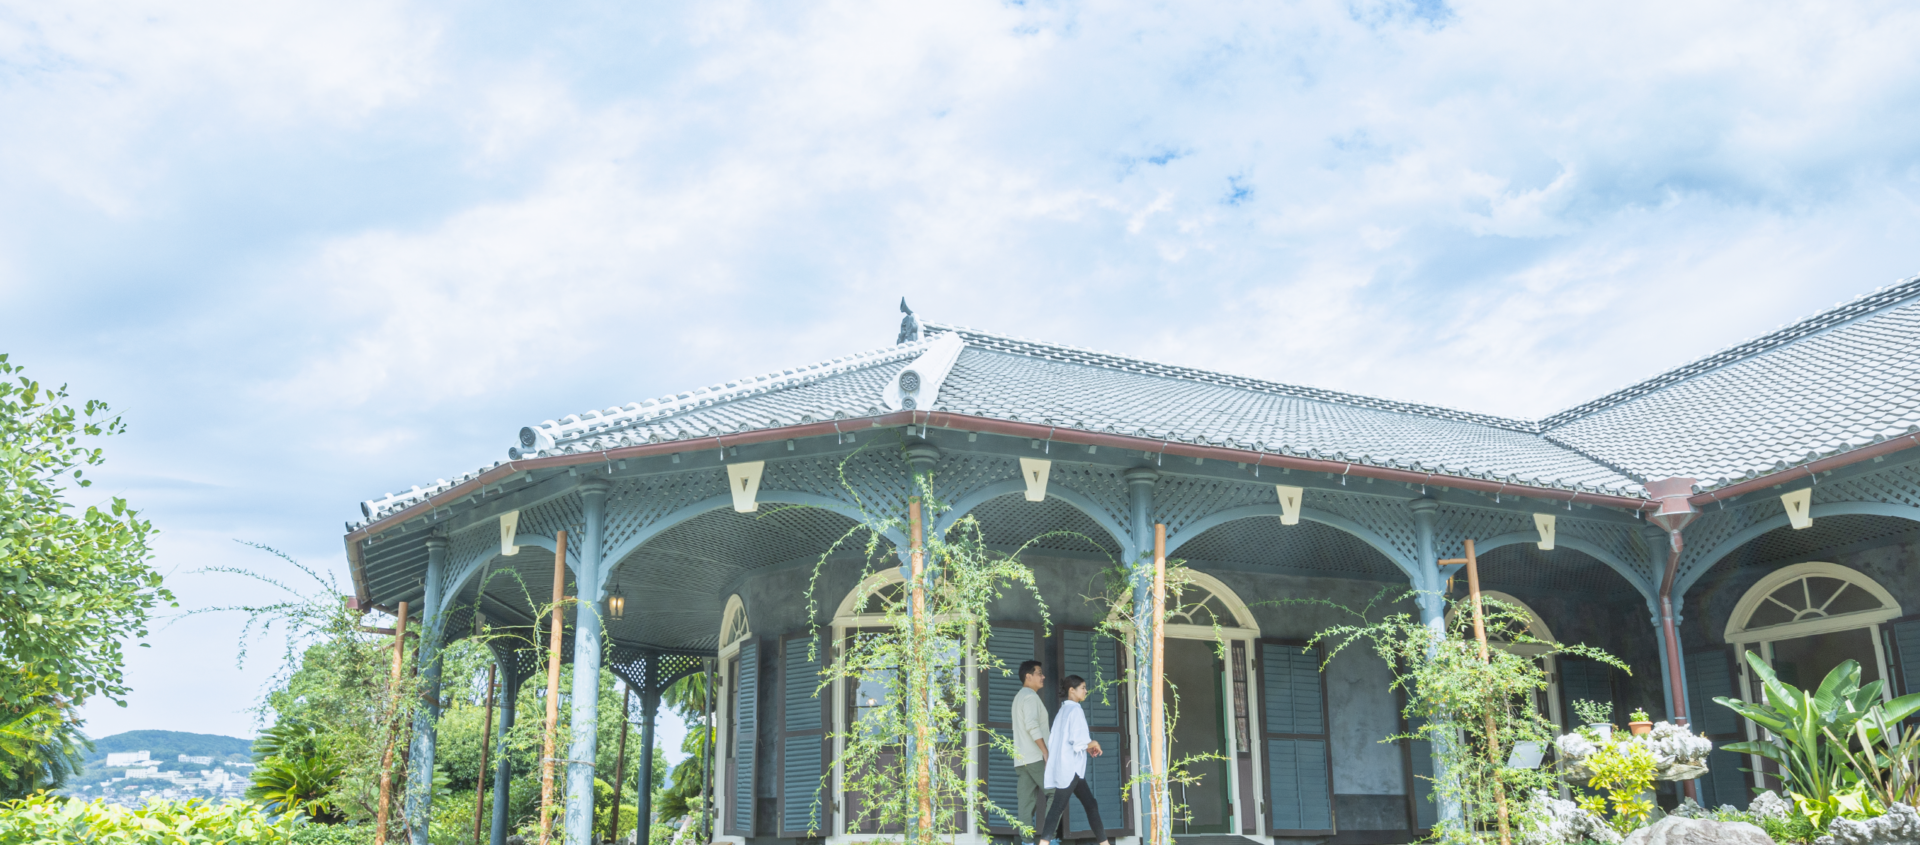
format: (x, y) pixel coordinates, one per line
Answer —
(1030, 732)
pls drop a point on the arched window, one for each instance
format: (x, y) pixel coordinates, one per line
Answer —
(733, 623)
(1807, 618)
(1547, 701)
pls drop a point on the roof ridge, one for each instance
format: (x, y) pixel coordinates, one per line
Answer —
(575, 426)
(1841, 313)
(1080, 355)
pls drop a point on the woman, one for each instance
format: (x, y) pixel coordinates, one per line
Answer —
(1067, 751)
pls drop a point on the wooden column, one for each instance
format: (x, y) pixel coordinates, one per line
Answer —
(486, 744)
(1493, 739)
(922, 737)
(386, 756)
(620, 766)
(1157, 781)
(553, 688)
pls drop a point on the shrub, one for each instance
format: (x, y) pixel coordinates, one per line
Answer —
(54, 820)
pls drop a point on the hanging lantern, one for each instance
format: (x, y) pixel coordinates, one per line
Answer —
(616, 605)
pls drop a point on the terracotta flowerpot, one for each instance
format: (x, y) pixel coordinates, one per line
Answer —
(1640, 728)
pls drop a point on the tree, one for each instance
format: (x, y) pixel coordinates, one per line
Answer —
(75, 585)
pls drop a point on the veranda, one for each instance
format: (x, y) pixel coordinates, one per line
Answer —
(1791, 492)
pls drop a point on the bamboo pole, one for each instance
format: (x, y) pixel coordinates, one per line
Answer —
(1157, 764)
(620, 764)
(1493, 739)
(553, 689)
(923, 740)
(386, 755)
(486, 744)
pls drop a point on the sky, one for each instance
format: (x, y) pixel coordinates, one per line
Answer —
(319, 252)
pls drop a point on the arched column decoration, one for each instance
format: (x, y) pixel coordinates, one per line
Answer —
(1379, 543)
(464, 571)
(1080, 501)
(1648, 591)
(1701, 566)
(618, 554)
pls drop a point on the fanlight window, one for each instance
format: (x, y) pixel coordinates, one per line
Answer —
(1199, 606)
(883, 598)
(1811, 597)
(734, 629)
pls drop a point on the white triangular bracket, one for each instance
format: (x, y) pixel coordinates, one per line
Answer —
(1290, 498)
(509, 526)
(1034, 472)
(1799, 504)
(1543, 523)
(743, 480)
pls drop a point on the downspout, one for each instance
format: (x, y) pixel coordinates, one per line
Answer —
(1674, 513)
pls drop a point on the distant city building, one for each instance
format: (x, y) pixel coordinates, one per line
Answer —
(129, 758)
(198, 761)
(149, 772)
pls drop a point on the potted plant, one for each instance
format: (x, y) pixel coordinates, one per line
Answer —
(1639, 722)
(1597, 716)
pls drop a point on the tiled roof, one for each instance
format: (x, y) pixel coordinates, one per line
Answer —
(1032, 385)
(1835, 381)
(1840, 380)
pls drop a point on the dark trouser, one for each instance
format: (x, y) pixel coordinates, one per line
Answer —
(1058, 808)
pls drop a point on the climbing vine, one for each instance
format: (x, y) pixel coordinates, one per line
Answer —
(903, 758)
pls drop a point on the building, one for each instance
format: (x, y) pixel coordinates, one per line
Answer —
(128, 758)
(1765, 498)
(198, 761)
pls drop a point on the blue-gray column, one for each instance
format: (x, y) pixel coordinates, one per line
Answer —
(503, 766)
(643, 818)
(585, 722)
(426, 715)
(1431, 600)
(1140, 481)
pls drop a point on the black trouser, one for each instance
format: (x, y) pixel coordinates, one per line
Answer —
(1058, 808)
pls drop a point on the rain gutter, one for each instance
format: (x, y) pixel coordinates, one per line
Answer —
(1881, 449)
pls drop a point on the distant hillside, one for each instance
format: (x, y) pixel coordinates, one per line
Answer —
(169, 745)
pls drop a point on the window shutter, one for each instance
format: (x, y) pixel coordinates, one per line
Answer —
(1011, 645)
(1583, 680)
(746, 732)
(1420, 778)
(1709, 674)
(804, 751)
(1293, 718)
(1096, 657)
(1903, 641)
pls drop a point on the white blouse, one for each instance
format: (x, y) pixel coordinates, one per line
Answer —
(1067, 747)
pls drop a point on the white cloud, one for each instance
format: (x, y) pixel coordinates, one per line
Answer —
(357, 244)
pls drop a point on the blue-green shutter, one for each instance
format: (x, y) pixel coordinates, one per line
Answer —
(1096, 657)
(1420, 778)
(1011, 645)
(1904, 635)
(746, 731)
(803, 739)
(1293, 709)
(1709, 674)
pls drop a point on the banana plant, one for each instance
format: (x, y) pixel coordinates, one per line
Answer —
(1815, 767)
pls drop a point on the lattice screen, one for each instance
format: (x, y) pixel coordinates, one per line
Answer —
(1308, 547)
(1011, 521)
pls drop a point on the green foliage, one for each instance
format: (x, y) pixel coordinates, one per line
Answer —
(296, 774)
(1887, 758)
(1593, 712)
(1813, 762)
(687, 697)
(915, 662)
(1639, 715)
(1455, 696)
(41, 747)
(74, 584)
(333, 834)
(1623, 771)
(57, 821)
(1790, 828)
